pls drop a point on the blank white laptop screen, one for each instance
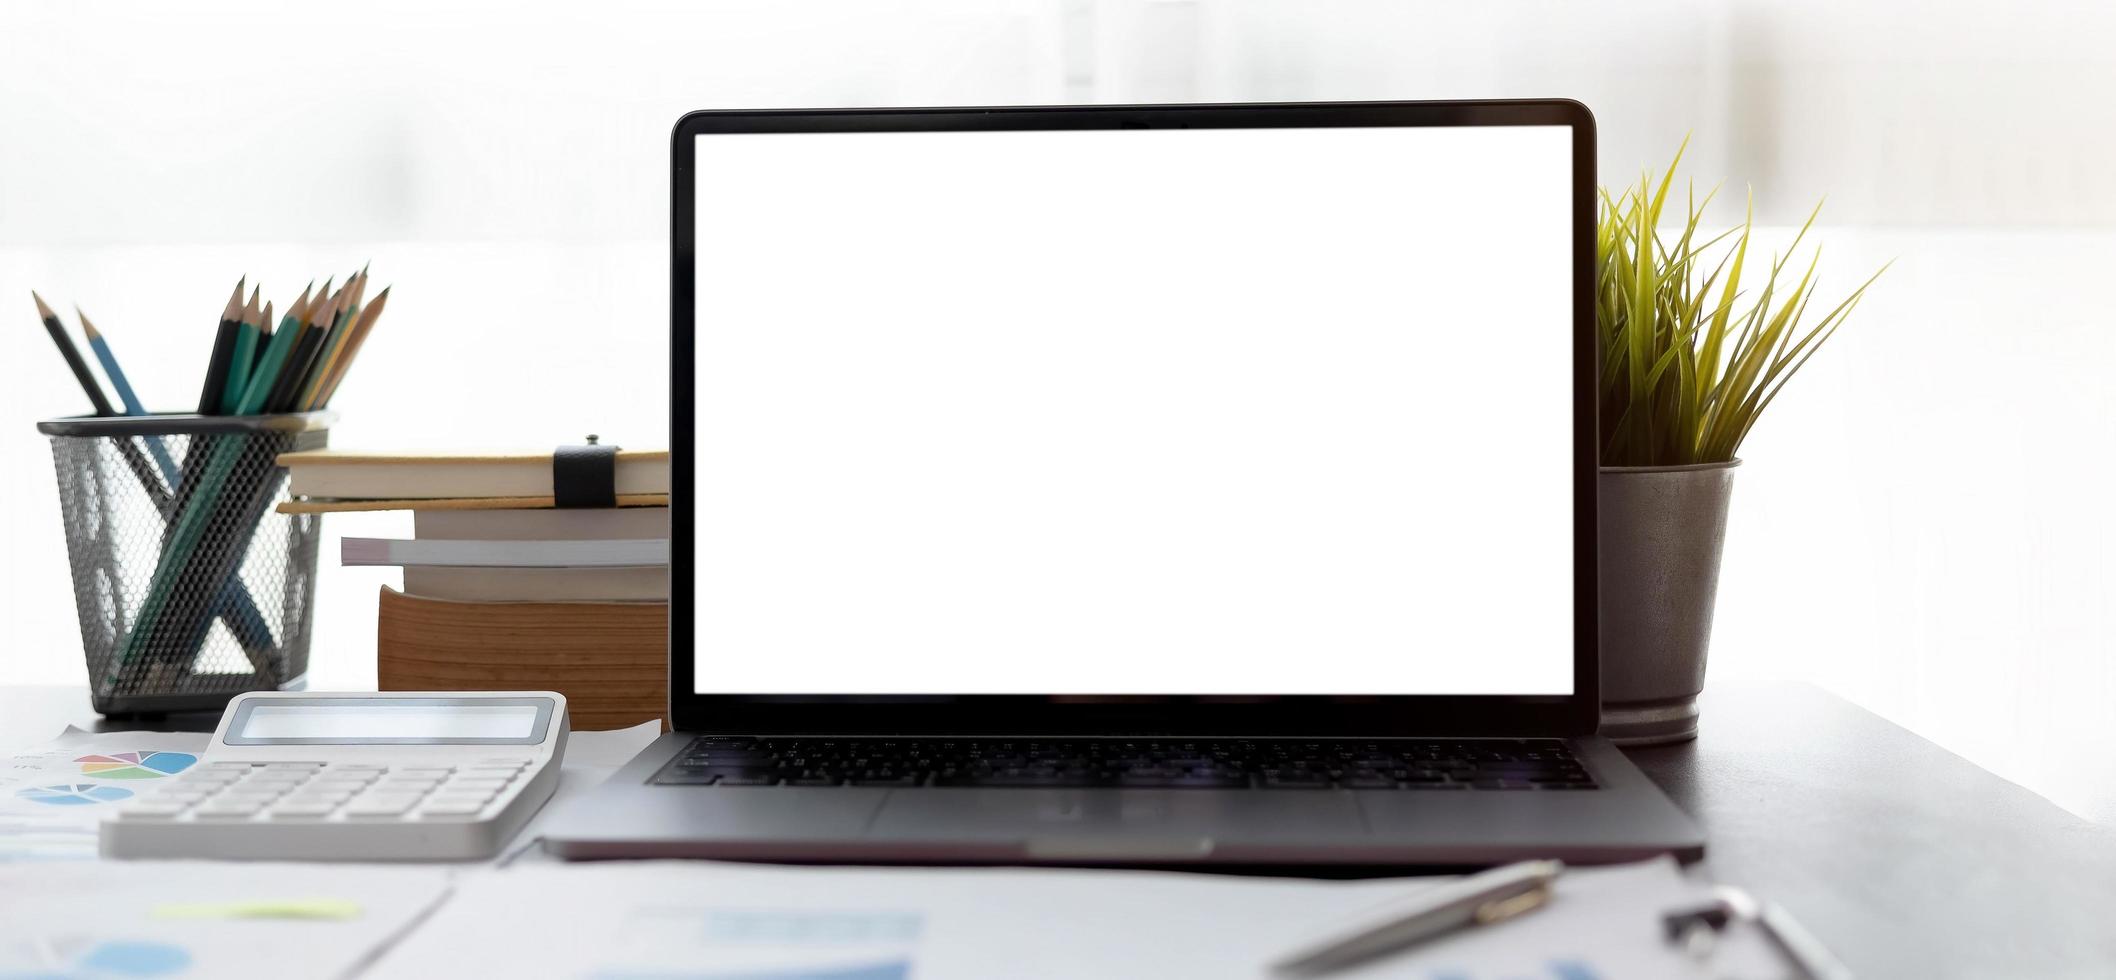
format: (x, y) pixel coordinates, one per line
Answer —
(1236, 412)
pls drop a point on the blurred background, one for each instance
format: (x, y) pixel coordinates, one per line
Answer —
(1923, 523)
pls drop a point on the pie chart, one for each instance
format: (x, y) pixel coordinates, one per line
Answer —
(135, 765)
(73, 794)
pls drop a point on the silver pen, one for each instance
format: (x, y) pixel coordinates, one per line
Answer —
(1479, 899)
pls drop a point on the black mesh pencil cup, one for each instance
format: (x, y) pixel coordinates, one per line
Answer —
(190, 587)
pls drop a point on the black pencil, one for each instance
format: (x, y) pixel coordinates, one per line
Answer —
(223, 349)
(73, 357)
(313, 328)
(293, 377)
(136, 461)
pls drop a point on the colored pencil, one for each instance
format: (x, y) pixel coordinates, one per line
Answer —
(357, 337)
(334, 344)
(126, 396)
(290, 320)
(210, 397)
(235, 603)
(241, 360)
(297, 367)
(142, 471)
(295, 373)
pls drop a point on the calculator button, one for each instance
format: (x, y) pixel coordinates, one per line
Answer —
(355, 767)
(380, 806)
(151, 811)
(452, 798)
(283, 779)
(227, 810)
(493, 772)
(292, 766)
(294, 810)
(228, 767)
(425, 770)
(485, 784)
(444, 808)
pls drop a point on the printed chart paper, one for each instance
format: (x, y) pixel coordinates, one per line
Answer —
(52, 796)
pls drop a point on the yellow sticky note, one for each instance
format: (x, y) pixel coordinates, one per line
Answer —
(300, 908)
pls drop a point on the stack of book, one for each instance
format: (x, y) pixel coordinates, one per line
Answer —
(504, 589)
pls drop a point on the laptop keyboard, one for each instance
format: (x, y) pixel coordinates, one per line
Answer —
(1394, 764)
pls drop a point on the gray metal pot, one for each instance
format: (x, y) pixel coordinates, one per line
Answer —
(1661, 532)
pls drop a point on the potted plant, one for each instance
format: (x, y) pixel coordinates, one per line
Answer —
(1691, 355)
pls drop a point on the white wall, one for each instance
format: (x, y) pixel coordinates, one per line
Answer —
(248, 121)
(1921, 524)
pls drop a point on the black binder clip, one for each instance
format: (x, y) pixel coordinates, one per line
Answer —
(584, 476)
(1698, 930)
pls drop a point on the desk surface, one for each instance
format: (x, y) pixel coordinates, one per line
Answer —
(1907, 860)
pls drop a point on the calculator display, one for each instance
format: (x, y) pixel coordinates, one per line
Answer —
(370, 721)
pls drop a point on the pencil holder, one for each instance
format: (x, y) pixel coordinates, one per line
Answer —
(190, 588)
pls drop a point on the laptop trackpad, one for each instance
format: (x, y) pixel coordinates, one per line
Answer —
(1184, 823)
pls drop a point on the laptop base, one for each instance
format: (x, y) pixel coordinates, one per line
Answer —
(1625, 818)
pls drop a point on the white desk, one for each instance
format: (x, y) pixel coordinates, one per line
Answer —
(1907, 860)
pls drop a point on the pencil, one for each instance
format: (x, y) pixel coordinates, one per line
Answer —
(331, 329)
(334, 344)
(242, 358)
(291, 321)
(296, 367)
(214, 392)
(294, 373)
(72, 355)
(126, 396)
(262, 379)
(236, 605)
(134, 461)
(359, 280)
(187, 551)
(353, 341)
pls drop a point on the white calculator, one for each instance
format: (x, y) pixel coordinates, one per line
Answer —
(298, 775)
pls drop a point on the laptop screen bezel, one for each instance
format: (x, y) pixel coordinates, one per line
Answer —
(1173, 715)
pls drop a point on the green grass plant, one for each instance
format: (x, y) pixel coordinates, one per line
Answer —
(1692, 354)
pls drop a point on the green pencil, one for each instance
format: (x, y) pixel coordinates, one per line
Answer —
(192, 555)
(247, 327)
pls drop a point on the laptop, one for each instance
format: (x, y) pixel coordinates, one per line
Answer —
(1187, 485)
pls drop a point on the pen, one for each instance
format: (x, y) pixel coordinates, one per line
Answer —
(1479, 899)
